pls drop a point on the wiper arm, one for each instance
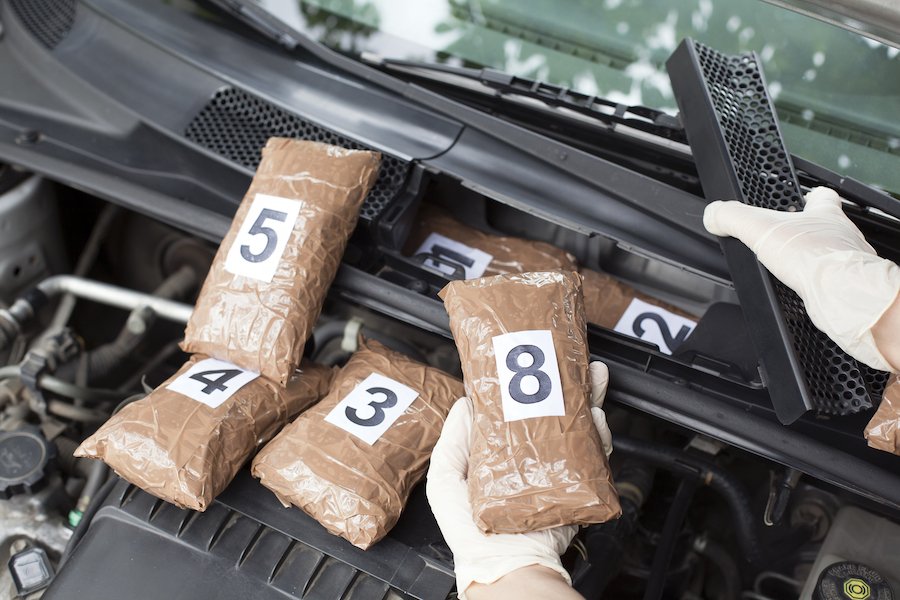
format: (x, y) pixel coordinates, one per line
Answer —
(257, 18)
(498, 83)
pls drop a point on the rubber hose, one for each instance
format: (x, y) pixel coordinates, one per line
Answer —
(707, 473)
(719, 556)
(668, 540)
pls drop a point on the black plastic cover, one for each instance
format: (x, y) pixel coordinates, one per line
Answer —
(739, 152)
(246, 545)
(24, 456)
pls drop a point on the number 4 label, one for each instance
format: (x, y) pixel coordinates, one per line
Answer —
(530, 385)
(211, 381)
(372, 407)
(262, 237)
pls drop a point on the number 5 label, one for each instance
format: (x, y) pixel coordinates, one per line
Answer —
(212, 381)
(372, 407)
(262, 237)
(529, 375)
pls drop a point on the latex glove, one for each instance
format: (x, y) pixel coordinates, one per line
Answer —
(821, 255)
(478, 556)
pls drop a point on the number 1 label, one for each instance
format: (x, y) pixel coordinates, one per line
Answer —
(262, 237)
(211, 381)
(530, 385)
(372, 407)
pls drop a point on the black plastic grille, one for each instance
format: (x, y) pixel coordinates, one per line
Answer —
(237, 125)
(48, 20)
(761, 174)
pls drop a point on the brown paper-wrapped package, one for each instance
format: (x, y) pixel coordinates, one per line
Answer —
(268, 281)
(606, 299)
(536, 459)
(355, 489)
(883, 430)
(502, 254)
(185, 452)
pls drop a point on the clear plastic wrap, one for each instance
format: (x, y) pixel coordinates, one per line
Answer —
(536, 459)
(883, 430)
(267, 283)
(358, 487)
(452, 247)
(185, 451)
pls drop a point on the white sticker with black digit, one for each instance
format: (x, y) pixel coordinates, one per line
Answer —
(212, 381)
(655, 325)
(262, 238)
(453, 258)
(529, 375)
(372, 407)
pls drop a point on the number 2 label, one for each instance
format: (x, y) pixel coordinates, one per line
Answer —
(372, 407)
(528, 371)
(262, 237)
(656, 325)
(211, 381)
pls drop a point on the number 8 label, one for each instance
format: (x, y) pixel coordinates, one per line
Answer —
(372, 407)
(528, 372)
(263, 235)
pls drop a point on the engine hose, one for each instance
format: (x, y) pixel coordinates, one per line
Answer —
(707, 473)
(104, 359)
(669, 539)
(719, 556)
(335, 329)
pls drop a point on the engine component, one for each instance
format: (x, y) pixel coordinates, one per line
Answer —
(31, 570)
(852, 581)
(25, 307)
(30, 239)
(866, 545)
(24, 458)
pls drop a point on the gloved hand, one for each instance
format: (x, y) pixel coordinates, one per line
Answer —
(478, 556)
(821, 255)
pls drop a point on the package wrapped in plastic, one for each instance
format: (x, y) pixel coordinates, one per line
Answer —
(186, 440)
(351, 461)
(267, 283)
(462, 252)
(883, 430)
(536, 459)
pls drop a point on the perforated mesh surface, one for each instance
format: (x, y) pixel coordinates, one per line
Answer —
(236, 125)
(836, 382)
(48, 20)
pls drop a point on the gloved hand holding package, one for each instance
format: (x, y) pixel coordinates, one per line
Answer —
(482, 558)
(536, 460)
(462, 252)
(351, 461)
(187, 440)
(268, 281)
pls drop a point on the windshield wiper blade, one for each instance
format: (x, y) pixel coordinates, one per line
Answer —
(253, 16)
(497, 82)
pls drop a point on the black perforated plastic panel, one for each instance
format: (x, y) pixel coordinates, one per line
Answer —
(236, 125)
(734, 134)
(47, 20)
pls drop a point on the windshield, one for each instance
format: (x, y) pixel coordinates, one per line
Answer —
(837, 93)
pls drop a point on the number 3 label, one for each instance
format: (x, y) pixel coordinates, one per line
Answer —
(211, 381)
(529, 375)
(262, 238)
(372, 407)
(656, 325)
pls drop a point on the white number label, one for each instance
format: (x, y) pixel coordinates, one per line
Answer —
(212, 381)
(529, 375)
(453, 258)
(655, 325)
(372, 407)
(262, 238)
